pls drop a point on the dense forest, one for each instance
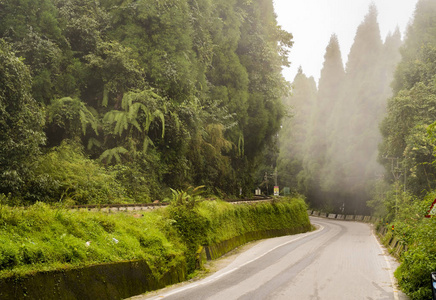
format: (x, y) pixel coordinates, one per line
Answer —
(118, 101)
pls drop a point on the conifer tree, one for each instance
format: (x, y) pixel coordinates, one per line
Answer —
(331, 115)
(294, 135)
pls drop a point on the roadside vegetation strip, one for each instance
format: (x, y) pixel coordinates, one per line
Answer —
(42, 238)
(156, 204)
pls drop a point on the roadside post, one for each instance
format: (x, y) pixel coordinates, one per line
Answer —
(433, 284)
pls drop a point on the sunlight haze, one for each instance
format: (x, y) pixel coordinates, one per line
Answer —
(312, 22)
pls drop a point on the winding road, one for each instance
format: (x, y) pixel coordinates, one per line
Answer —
(340, 260)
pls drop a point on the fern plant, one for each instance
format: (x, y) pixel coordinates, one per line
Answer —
(188, 198)
(132, 123)
(114, 153)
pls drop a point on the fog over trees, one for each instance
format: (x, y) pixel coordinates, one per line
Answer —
(335, 161)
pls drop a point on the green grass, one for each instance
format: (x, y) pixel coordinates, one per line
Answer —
(42, 238)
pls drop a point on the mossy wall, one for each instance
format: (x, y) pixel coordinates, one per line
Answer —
(105, 281)
(214, 251)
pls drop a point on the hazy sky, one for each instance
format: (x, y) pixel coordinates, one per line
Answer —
(312, 22)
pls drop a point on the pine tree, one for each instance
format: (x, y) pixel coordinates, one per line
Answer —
(294, 135)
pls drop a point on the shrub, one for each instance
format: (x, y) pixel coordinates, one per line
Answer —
(65, 175)
(419, 260)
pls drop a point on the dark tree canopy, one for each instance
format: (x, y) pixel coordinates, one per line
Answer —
(21, 121)
(172, 93)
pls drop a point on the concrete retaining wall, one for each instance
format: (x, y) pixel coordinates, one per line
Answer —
(219, 249)
(105, 281)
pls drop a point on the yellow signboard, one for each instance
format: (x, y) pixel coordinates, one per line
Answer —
(276, 191)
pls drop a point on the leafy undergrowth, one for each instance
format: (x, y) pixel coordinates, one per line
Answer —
(418, 233)
(41, 237)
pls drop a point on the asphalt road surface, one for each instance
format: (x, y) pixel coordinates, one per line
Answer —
(340, 260)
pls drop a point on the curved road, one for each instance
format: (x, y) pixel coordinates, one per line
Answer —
(340, 260)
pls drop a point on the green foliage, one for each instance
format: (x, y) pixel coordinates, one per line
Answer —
(42, 238)
(64, 174)
(215, 221)
(115, 71)
(189, 223)
(293, 137)
(228, 220)
(408, 133)
(114, 153)
(411, 110)
(192, 89)
(70, 116)
(141, 178)
(418, 234)
(134, 106)
(21, 121)
(186, 199)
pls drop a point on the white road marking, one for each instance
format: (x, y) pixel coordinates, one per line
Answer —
(216, 277)
(391, 274)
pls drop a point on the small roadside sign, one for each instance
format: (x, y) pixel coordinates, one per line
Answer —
(276, 191)
(432, 211)
(286, 191)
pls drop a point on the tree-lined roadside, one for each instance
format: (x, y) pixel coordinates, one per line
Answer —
(41, 238)
(113, 101)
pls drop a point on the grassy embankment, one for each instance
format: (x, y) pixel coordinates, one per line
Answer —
(42, 238)
(418, 233)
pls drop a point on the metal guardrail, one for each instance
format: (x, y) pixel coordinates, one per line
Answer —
(155, 205)
(366, 219)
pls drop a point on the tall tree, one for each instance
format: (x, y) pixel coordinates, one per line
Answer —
(294, 135)
(411, 109)
(21, 122)
(326, 128)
